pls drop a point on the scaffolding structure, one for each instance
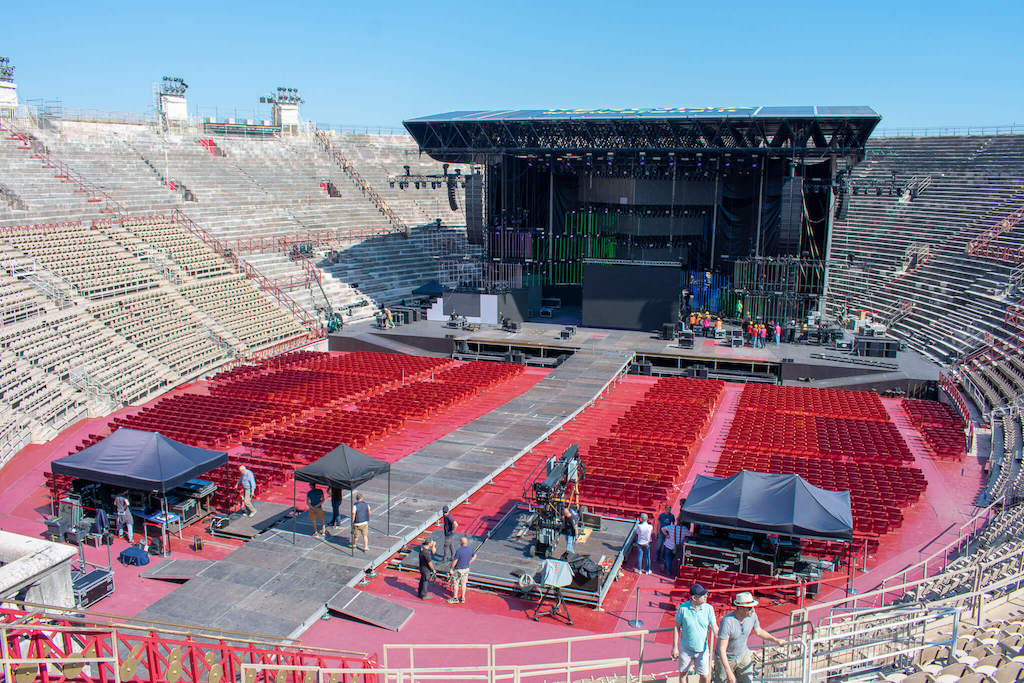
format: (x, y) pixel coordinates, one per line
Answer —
(779, 288)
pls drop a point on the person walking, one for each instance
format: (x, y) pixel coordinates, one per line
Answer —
(315, 503)
(125, 520)
(450, 525)
(672, 539)
(427, 571)
(569, 530)
(247, 483)
(644, 532)
(361, 523)
(693, 638)
(464, 557)
(735, 660)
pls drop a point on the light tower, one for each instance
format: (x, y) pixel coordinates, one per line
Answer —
(171, 100)
(8, 90)
(286, 103)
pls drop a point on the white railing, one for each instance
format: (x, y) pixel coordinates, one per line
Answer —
(1009, 129)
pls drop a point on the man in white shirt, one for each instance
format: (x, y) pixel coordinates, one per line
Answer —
(644, 533)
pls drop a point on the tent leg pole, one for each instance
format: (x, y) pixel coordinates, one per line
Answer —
(352, 522)
(389, 501)
(294, 517)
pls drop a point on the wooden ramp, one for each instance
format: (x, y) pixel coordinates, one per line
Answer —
(371, 609)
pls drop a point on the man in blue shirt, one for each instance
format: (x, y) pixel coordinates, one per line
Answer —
(315, 502)
(247, 483)
(693, 638)
(464, 557)
(361, 523)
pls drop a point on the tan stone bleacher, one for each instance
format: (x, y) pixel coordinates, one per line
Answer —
(15, 432)
(158, 325)
(973, 182)
(18, 301)
(191, 254)
(33, 392)
(96, 266)
(245, 311)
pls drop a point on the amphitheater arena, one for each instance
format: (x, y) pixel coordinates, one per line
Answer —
(175, 280)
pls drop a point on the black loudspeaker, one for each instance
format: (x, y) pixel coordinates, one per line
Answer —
(791, 212)
(474, 208)
(668, 331)
(843, 202)
(452, 204)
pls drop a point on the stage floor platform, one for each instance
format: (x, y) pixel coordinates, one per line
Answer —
(431, 337)
(244, 527)
(506, 554)
(276, 585)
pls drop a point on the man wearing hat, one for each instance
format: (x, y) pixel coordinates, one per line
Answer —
(693, 639)
(735, 660)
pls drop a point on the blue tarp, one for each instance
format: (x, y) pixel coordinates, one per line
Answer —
(783, 504)
(145, 461)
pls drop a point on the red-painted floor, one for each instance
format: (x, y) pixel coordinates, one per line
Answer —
(487, 618)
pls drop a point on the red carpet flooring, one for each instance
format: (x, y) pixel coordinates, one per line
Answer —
(947, 502)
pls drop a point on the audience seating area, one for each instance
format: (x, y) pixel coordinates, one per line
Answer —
(863, 452)
(637, 468)
(974, 182)
(941, 427)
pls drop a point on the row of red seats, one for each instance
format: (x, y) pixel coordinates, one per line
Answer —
(391, 366)
(852, 405)
(858, 440)
(941, 428)
(479, 373)
(637, 467)
(418, 399)
(307, 388)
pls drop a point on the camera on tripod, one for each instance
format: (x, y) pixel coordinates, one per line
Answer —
(552, 495)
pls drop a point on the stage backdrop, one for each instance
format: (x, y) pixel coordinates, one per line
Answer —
(631, 295)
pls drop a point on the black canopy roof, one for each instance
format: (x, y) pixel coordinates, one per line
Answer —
(135, 459)
(429, 288)
(774, 503)
(344, 468)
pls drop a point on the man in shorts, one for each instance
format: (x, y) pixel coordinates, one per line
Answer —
(693, 639)
(315, 503)
(464, 557)
(735, 660)
(361, 523)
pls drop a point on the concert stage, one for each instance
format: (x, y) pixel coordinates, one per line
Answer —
(542, 344)
(505, 554)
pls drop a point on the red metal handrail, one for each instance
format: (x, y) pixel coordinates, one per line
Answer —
(364, 186)
(980, 245)
(262, 281)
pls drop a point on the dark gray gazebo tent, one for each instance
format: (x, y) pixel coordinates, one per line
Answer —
(142, 461)
(344, 468)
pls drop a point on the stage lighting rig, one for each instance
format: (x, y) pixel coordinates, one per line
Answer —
(283, 96)
(552, 495)
(171, 85)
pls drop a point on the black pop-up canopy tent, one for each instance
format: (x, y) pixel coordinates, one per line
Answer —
(782, 504)
(344, 468)
(145, 461)
(429, 288)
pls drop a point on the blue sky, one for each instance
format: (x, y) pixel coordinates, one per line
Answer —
(376, 63)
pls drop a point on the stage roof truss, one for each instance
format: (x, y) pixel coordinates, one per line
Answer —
(476, 136)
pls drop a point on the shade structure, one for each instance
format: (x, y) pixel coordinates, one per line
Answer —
(429, 288)
(135, 459)
(343, 468)
(783, 504)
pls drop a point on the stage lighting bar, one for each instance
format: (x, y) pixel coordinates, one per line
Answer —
(6, 70)
(283, 96)
(172, 85)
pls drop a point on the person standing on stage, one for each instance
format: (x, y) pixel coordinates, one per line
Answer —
(664, 519)
(735, 660)
(427, 571)
(644, 532)
(247, 483)
(450, 525)
(336, 495)
(361, 523)
(315, 503)
(693, 639)
(464, 557)
(569, 530)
